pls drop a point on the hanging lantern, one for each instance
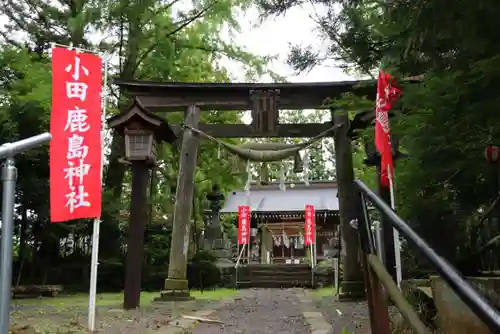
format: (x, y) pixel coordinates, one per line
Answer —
(298, 165)
(492, 153)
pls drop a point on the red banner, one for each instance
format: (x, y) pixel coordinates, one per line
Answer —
(243, 224)
(75, 125)
(387, 94)
(309, 225)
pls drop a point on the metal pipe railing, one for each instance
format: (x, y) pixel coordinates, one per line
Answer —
(11, 149)
(9, 178)
(463, 289)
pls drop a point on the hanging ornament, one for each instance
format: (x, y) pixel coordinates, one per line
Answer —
(264, 173)
(249, 178)
(298, 165)
(235, 163)
(306, 167)
(282, 177)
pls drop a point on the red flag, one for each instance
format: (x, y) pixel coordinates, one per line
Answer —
(309, 225)
(243, 224)
(387, 94)
(75, 125)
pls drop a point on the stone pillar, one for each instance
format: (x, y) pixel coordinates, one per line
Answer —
(176, 285)
(352, 284)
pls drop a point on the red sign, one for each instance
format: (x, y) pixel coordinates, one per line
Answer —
(243, 224)
(309, 225)
(75, 125)
(387, 94)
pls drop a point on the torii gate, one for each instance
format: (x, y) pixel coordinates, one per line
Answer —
(264, 101)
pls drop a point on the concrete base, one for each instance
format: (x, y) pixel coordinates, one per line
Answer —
(175, 290)
(352, 290)
(176, 284)
(174, 296)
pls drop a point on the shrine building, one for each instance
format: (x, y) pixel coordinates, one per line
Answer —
(277, 221)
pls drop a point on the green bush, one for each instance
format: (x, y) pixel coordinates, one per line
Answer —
(202, 272)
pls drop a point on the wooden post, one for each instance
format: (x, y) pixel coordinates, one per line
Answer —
(352, 283)
(135, 245)
(176, 285)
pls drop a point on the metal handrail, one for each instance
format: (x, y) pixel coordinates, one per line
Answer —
(11, 149)
(477, 303)
(9, 178)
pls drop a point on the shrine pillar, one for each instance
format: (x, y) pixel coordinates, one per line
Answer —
(352, 283)
(176, 284)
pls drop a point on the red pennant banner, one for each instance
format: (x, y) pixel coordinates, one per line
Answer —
(75, 125)
(387, 94)
(309, 225)
(243, 224)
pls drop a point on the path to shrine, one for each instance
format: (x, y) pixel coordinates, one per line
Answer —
(276, 311)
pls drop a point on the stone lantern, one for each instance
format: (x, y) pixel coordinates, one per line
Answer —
(214, 238)
(214, 198)
(143, 132)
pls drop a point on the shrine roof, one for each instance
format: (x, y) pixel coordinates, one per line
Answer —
(269, 198)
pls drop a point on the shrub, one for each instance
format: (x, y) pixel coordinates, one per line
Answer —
(202, 272)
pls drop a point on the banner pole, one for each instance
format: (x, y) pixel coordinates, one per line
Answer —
(97, 221)
(397, 241)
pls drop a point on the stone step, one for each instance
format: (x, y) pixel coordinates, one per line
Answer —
(279, 271)
(279, 284)
(280, 266)
(274, 276)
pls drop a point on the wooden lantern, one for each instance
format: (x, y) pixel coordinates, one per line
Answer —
(143, 131)
(491, 153)
(140, 144)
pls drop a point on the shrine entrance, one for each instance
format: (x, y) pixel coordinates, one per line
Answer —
(278, 221)
(264, 101)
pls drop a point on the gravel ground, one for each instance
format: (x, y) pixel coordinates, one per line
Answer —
(110, 320)
(259, 311)
(353, 316)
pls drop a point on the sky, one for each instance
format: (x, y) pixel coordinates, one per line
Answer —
(273, 37)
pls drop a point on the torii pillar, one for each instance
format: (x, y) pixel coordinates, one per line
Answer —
(176, 284)
(353, 282)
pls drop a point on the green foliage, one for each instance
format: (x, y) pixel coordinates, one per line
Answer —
(202, 271)
(148, 40)
(444, 122)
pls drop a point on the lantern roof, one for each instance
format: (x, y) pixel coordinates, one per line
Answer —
(138, 113)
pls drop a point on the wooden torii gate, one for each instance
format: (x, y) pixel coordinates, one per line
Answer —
(264, 101)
